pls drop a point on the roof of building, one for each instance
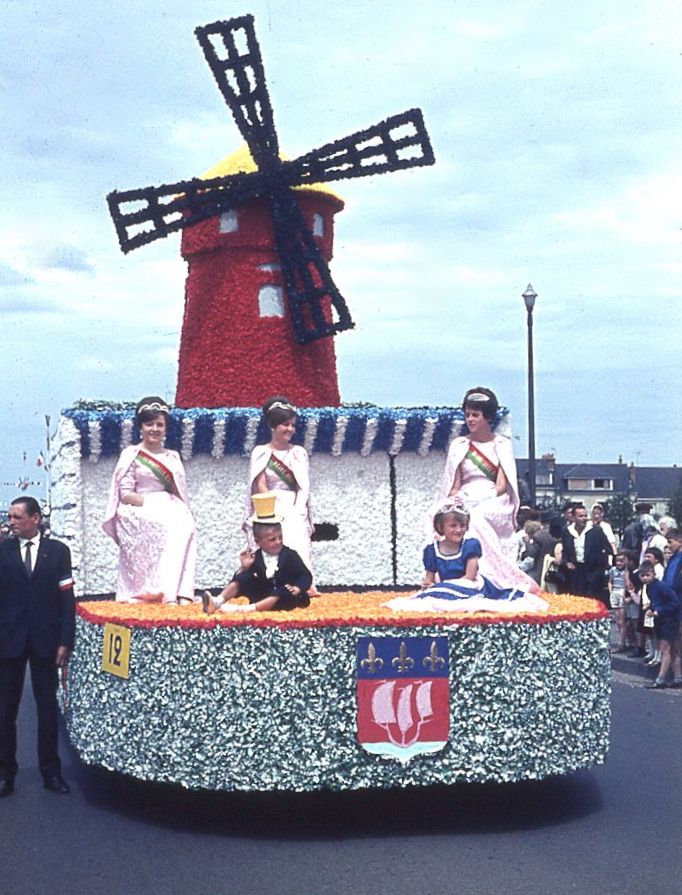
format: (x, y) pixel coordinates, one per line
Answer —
(657, 481)
(617, 472)
(643, 482)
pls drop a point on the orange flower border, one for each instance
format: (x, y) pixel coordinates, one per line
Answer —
(339, 609)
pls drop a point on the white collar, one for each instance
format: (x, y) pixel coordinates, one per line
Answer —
(442, 555)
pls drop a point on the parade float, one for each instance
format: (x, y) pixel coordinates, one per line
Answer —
(346, 693)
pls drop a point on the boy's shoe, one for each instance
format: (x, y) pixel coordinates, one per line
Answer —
(676, 685)
(657, 685)
(209, 603)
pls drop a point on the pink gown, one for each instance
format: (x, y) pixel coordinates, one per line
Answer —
(157, 541)
(293, 505)
(492, 516)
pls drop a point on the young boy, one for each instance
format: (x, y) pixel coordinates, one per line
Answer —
(619, 587)
(664, 607)
(274, 577)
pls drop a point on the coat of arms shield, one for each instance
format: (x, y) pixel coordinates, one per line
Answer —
(403, 695)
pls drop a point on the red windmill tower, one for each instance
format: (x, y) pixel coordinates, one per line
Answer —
(257, 251)
(236, 341)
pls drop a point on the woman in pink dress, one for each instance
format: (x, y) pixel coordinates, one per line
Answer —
(480, 469)
(149, 517)
(282, 468)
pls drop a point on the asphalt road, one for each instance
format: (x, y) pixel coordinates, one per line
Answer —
(613, 829)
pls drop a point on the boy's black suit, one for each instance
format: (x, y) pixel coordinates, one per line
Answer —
(291, 569)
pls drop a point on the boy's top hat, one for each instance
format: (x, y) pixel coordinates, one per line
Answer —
(264, 507)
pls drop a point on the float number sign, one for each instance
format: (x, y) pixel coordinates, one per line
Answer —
(116, 650)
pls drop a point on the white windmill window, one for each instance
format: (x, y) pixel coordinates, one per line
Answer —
(318, 225)
(229, 222)
(271, 301)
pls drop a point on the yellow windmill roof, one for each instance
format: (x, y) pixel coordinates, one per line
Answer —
(242, 162)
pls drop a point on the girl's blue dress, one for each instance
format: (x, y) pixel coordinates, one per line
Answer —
(450, 568)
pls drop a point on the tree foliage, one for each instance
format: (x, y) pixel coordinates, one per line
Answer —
(618, 511)
(675, 504)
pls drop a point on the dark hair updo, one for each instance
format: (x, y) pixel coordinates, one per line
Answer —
(150, 407)
(482, 399)
(278, 410)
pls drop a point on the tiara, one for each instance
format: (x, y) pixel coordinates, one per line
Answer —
(281, 405)
(156, 406)
(452, 505)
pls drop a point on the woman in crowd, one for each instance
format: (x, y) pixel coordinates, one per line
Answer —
(149, 517)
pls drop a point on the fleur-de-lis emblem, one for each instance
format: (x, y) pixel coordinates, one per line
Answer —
(373, 662)
(402, 661)
(433, 660)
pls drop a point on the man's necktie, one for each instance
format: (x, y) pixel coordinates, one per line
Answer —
(28, 559)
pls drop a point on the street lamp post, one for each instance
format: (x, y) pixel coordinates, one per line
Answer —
(529, 297)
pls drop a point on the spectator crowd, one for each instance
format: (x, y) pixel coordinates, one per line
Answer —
(637, 577)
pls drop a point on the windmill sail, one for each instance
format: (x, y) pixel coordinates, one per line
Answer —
(316, 306)
(232, 52)
(398, 142)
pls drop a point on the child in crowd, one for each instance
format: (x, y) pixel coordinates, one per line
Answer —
(619, 587)
(631, 605)
(273, 578)
(634, 613)
(653, 653)
(664, 608)
(655, 556)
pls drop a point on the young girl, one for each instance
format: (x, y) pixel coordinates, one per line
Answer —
(653, 655)
(452, 580)
(282, 468)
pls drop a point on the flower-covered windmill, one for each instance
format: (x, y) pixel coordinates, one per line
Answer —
(259, 231)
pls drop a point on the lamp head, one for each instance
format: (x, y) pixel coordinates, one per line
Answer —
(529, 297)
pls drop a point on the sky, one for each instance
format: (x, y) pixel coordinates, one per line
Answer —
(557, 135)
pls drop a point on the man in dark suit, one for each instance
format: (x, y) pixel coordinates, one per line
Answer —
(37, 621)
(274, 577)
(586, 553)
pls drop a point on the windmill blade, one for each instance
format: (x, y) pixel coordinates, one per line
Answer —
(400, 141)
(232, 52)
(149, 213)
(316, 306)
